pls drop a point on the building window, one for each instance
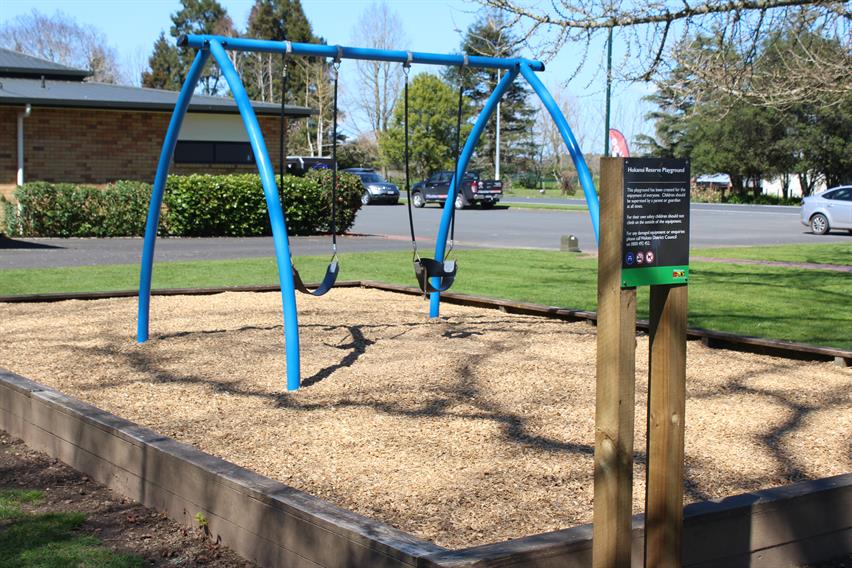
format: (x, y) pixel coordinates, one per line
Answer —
(201, 152)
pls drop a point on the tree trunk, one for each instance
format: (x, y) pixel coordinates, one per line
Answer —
(806, 183)
(736, 184)
(756, 189)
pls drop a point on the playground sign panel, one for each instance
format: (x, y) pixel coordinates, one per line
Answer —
(655, 247)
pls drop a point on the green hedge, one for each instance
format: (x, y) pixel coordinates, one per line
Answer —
(195, 205)
(45, 209)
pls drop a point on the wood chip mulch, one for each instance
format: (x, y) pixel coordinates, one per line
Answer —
(468, 430)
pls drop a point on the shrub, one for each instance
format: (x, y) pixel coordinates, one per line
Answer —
(194, 206)
(529, 180)
(66, 210)
(214, 205)
(235, 205)
(349, 190)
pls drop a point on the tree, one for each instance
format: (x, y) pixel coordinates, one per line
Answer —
(553, 155)
(799, 61)
(309, 80)
(363, 152)
(744, 143)
(166, 71)
(722, 132)
(432, 127)
(818, 142)
(379, 82)
(650, 30)
(491, 36)
(276, 20)
(194, 17)
(60, 39)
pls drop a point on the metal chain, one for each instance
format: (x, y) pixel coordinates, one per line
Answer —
(405, 70)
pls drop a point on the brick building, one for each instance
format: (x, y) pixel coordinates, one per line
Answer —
(55, 126)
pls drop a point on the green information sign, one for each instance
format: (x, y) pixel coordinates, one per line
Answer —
(655, 248)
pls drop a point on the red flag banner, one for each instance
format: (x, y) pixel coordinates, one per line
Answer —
(618, 144)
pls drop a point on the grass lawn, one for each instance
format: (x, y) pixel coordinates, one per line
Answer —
(551, 191)
(50, 540)
(810, 306)
(833, 253)
(552, 206)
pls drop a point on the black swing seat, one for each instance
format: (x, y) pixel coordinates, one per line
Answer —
(427, 268)
(327, 282)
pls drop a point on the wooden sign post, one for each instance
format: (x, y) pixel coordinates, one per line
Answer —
(644, 240)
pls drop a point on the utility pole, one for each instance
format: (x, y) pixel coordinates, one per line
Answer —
(497, 154)
(608, 89)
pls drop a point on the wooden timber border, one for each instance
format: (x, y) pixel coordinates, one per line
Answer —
(710, 338)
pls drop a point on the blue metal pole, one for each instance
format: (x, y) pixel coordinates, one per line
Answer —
(464, 159)
(586, 180)
(330, 51)
(153, 222)
(276, 215)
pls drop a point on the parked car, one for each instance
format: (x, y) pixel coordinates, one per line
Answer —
(474, 190)
(376, 188)
(831, 209)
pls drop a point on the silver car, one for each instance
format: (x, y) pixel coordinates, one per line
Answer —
(831, 209)
(376, 188)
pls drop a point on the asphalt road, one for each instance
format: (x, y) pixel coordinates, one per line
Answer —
(381, 228)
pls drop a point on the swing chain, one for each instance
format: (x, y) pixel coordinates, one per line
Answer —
(456, 181)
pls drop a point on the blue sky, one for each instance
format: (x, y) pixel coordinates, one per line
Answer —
(132, 26)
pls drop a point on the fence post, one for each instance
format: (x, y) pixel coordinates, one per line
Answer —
(666, 405)
(615, 387)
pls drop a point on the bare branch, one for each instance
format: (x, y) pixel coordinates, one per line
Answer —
(651, 32)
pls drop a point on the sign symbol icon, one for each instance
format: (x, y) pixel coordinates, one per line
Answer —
(630, 258)
(649, 257)
(678, 273)
(640, 258)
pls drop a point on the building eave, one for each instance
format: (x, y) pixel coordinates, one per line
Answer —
(289, 110)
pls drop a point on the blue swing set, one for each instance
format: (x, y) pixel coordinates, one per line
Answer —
(217, 46)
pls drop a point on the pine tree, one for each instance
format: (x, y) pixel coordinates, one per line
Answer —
(170, 65)
(166, 71)
(309, 80)
(276, 20)
(491, 36)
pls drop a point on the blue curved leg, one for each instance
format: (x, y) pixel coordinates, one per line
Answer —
(573, 148)
(153, 222)
(464, 159)
(276, 215)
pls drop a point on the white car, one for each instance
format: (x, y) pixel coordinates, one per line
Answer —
(831, 209)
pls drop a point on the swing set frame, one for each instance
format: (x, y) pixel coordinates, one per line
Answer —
(218, 46)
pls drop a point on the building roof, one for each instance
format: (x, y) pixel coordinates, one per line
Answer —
(16, 64)
(76, 94)
(25, 79)
(714, 178)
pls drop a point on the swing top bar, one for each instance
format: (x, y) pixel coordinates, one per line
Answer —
(333, 51)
